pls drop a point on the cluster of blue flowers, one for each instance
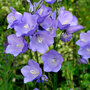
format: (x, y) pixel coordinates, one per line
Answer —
(84, 43)
(41, 27)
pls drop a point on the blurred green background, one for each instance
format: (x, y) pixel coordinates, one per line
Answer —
(72, 75)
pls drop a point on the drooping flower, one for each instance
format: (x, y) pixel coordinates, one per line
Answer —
(28, 25)
(13, 18)
(83, 60)
(66, 37)
(85, 51)
(35, 89)
(52, 61)
(16, 45)
(50, 1)
(84, 39)
(40, 41)
(67, 21)
(50, 26)
(31, 72)
(31, 8)
(44, 78)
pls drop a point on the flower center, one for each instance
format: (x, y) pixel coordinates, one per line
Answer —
(65, 22)
(18, 45)
(13, 18)
(53, 61)
(88, 49)
(83, 40)
(26, 26)
(41, 10)
(33, 72)
(66, 36)
(39, 39)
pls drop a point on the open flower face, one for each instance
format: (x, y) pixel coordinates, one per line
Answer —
(16, 45)
(31, 71)
(85, 51)
(40, 41)
(52, 61)
(27, 26)
(84, 39)
(13, 18)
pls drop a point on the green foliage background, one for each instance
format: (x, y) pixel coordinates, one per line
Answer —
(72, 75)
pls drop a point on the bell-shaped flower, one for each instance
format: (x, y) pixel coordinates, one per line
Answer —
(85, 51)
(50, 26)
(67, 21)
(83, 60)
(31, 72)
(40, 41)
(28, 25)
(66, 37)
(50, 1)
(44, 78)
(84, 38)
(52, 61)
(35, 89)
(43, 12)
(16, 45)
(13, 18)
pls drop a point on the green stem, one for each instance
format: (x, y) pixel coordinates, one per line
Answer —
(36, 56)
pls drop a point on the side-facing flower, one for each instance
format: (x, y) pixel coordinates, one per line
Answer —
(83, 60)
(50, 1)
(84, 38)
(44, 78)
(16, 45)
(85, 51)
(52, 61)
(40, 41)
(28, 25)
(35, 89)
(66, 37)
(50, 26)
(43, 12)
(67, 21)
(31, 6)
(31, 72)
(13, 18)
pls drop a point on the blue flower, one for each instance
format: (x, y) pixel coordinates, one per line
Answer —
(40, 41)
(50, 1)
(16, 45)
(52, 61)
(84, 39)
(13, 18)
(31, 72)
(66, 37)
(27, 26)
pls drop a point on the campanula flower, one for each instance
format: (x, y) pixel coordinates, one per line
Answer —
(44, 78)
(50, 1)
(52, 61)
(50, 26)
(43, 12)
(35, 89)
(67, 21)
(83, 60)
(84, 38)
(31, 8)
(28, 25)
(66, 37)
(31, 72)
(13, 18)
(40, 41)
(85, 51)
(16, 45)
